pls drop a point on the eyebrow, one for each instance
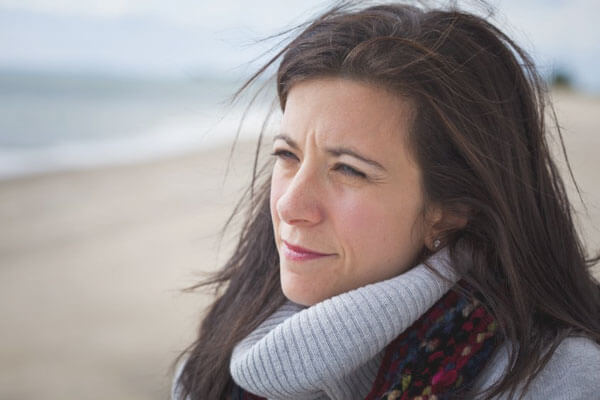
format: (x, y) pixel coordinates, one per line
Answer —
(336, 151)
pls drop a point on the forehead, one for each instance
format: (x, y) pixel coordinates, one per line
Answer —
(338, 111)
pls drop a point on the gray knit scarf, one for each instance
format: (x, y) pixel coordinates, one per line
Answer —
(333, 349)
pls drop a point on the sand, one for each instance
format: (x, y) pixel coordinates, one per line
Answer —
(92, 263)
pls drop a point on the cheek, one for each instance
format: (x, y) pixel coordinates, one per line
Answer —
(375, 227)
(360, 223)
(357, 215)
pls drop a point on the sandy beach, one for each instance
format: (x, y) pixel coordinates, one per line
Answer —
(92, 263)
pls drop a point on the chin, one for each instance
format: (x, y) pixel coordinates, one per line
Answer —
(300, 294)
(296, 298)
(300, 301)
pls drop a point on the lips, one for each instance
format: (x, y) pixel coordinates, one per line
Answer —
(297, 253)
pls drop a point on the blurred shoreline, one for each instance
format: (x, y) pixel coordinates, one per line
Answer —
(93, 262)
(58, 121)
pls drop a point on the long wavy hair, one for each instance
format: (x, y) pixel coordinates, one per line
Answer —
(481, 141)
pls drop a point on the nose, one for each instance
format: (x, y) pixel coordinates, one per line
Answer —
(301, 200)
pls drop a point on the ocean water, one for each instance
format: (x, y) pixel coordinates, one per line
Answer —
(51, 121)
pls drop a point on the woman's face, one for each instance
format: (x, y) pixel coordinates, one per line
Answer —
(344, 186)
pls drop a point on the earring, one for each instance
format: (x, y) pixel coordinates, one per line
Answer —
(436, 243)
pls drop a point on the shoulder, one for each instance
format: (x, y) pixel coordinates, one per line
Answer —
(580, 352)
(571, 372)
(175, 386)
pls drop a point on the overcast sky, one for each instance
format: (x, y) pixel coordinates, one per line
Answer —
(182, 37)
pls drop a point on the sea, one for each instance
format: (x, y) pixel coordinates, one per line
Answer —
(55, 121)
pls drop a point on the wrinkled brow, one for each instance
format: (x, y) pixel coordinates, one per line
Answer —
(335, 151)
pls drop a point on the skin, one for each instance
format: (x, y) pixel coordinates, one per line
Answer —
(368, 220)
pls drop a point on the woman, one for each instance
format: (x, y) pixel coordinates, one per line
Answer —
(413, 238)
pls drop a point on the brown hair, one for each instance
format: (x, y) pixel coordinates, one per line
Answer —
(479, 137)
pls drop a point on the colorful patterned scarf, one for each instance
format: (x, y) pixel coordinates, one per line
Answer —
(436, 358)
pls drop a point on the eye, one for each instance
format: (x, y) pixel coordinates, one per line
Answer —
(284, 154)
(348, 170)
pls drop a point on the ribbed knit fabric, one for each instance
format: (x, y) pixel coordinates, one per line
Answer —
(333, 349)
(571, 374)
(283, 350)
(359, 381)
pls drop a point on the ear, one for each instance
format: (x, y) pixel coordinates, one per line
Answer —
(439, 221)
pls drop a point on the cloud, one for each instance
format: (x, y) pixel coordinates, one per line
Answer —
(555, 32)
(221, 13)
(104, 8)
